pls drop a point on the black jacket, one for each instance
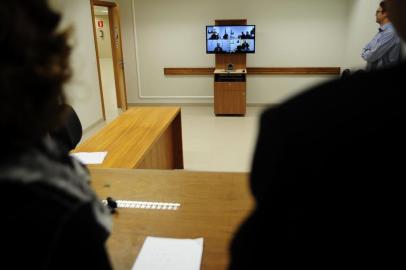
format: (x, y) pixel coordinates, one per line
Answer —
(327, 177)
(50, 218)
(44, 228)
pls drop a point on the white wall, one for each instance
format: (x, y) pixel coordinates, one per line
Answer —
(83, 91)
(172, 34)
(129, 49)
(290, 33)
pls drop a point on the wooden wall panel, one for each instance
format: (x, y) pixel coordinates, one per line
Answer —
(229, 98)
(176, 127)
(188, 71)
(231, 22)
(160, 156)
(167, 153)
(238, 60)
(293, 70)
(260, 71)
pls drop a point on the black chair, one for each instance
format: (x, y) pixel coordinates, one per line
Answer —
(359, 71)
(346, 73)
(69, 133)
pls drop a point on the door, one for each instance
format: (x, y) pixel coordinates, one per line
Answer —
(118, 58)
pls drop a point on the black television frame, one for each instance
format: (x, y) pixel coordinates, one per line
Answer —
(230, 25)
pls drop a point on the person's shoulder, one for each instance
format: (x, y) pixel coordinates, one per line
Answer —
(38, 220)
(389, 30)
(390, 27)
(49, 202)
(39, 207)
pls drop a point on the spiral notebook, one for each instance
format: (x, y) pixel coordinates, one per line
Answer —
(146, 205)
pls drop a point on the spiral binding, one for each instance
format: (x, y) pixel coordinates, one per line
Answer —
(146, 205)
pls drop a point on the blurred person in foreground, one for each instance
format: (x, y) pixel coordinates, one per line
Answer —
(328, 175)
(51, 219)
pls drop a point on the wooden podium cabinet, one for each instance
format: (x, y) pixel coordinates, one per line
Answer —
(230, 85)
(230, 92)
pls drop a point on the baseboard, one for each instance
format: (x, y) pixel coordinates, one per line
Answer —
(169, 104)
(192, 104)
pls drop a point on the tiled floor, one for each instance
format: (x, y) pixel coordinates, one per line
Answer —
(213, 143)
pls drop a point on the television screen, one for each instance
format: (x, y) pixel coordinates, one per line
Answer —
(230, 39)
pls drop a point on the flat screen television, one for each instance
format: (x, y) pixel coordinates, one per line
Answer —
(230, 39)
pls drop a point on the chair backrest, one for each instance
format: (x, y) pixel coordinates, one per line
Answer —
(346, 73)
(359, 71)
(70, 132)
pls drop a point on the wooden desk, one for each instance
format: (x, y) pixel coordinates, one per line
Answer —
(147, 137)
(230, 92)
(212, 206)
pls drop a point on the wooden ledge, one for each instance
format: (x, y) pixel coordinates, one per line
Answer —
(188, 71)
(260, 71)
(294, 70)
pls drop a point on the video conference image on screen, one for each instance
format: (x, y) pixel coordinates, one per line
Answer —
(230, 39)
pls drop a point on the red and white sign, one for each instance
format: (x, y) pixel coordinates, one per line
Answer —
(100, 24)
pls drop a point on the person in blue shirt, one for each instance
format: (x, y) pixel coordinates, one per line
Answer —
(384, 50)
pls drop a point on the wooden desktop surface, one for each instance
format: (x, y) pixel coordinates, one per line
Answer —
(146, 137)
(212, 206)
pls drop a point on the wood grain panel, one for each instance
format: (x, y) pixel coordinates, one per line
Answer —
(177, 141)
(130, 137)
(97, 58)
(238, 60)
(213, 205)
(293, 70)
(167, 152)
(188, 71)
(229, 98)
(231, 22)
(118, 59)
(259, 71)
(160, 156)
(103, 3)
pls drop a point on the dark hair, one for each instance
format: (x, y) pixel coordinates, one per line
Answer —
(34, 66)
(383, 6)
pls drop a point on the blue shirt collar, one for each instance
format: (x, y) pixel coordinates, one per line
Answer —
(385, 26)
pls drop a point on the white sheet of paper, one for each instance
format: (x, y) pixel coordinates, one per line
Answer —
(90, 157)
(170, 253)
